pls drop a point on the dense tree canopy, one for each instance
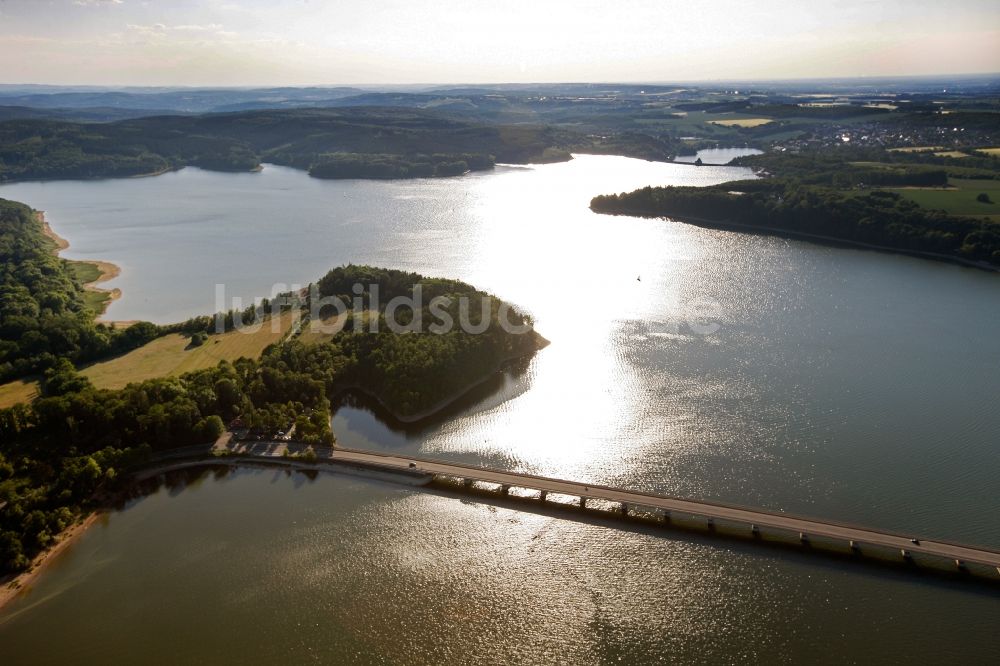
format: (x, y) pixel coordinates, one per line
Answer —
(42, 313)
(874, 217)
(357, 142)
(381, 166)
(60, 454)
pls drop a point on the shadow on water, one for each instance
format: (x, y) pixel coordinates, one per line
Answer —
(361, 422)
(174, 482)
(779, 551)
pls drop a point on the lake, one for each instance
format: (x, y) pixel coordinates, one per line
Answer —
(846, 384)
(717, 155)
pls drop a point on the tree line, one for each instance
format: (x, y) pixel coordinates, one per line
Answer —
(874, 217)
(66, 452)
(43, 316)
(362, 142)
(383, 166)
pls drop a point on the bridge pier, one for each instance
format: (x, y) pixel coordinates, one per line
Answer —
(976, 561)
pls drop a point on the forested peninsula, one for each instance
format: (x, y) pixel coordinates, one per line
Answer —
(64, 453)
(858, 211)
(44, 314)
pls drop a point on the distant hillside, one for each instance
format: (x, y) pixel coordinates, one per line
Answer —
(171, 100)
(96, 114)
(414, 142)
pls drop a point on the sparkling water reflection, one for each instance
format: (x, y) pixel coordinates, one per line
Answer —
(839, 383)
(267, 567)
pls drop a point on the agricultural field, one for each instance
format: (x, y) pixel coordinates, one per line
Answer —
(696, 123)
(994, 152)
(916, 149)
(742, 122)
(168, 356)
(951, 153)
(959, 198)
(21, 390)
(959, 172)
(329, 328)
(172, 355)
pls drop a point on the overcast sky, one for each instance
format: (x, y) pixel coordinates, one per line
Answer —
(299, 42)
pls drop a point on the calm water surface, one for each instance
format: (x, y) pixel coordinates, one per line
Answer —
(265, 567)
(840, 383)
(717, 155)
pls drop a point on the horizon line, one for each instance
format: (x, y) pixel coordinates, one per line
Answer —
(454, 84)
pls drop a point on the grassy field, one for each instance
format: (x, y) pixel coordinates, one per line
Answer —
(310, 336)
(22, 390)
(694, 123)
(742, 122)
(85, 271)
(951, 153)
(163, 357)
(960, 198)
(964, 173)
(91, 273)
(916, 149)
(990, 151)
(170, 355)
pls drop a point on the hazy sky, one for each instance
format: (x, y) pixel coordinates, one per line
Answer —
(297, 42)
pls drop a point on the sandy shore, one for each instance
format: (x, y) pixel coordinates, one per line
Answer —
(61, 243)
(107, 271)
(12, 587)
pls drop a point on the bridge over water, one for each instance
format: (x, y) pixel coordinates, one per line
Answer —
(754, 524)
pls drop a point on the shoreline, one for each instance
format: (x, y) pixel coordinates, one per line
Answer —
(12, 587)
(15, 585)
(106, 270)
(449, 400)
(819, 239)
